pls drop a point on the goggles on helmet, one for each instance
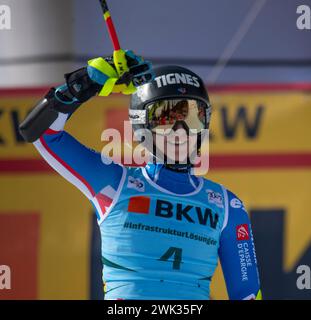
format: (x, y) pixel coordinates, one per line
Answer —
(164, 114)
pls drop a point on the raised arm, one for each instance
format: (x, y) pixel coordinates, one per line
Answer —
(78, 164)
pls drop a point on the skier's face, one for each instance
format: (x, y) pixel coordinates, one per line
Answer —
(177, 145)
(175, 125)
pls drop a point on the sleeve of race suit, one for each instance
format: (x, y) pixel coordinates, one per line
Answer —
(237, 253)
(81, 166)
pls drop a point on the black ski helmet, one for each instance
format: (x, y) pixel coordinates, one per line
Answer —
(169, 82)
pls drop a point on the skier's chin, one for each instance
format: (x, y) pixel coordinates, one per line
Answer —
(177, 152)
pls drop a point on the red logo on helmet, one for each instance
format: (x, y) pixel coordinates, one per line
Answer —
(242, 232)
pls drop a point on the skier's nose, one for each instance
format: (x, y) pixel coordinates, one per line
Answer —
(180, 124)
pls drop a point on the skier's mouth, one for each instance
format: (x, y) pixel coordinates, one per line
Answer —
(177, 143)
(177, 140)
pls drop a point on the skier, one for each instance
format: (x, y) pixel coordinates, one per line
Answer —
(162, 228)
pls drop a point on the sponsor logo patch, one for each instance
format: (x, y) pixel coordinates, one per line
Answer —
(236, 204)
(242, 232)
(178, 211)
(135, 183)
(139, 204)
(215, 198)
(177, 78)
(137, 116)
(182, 90)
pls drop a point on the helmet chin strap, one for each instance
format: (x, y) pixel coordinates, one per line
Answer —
(185, 167)
(178, 167)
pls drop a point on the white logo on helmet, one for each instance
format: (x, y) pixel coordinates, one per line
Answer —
(177, 78)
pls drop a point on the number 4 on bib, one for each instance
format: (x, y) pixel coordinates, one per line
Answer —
(177, 253)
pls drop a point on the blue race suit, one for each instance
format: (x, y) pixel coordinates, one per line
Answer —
(162, 231)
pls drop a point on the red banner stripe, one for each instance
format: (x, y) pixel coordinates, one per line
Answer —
(217, 162)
